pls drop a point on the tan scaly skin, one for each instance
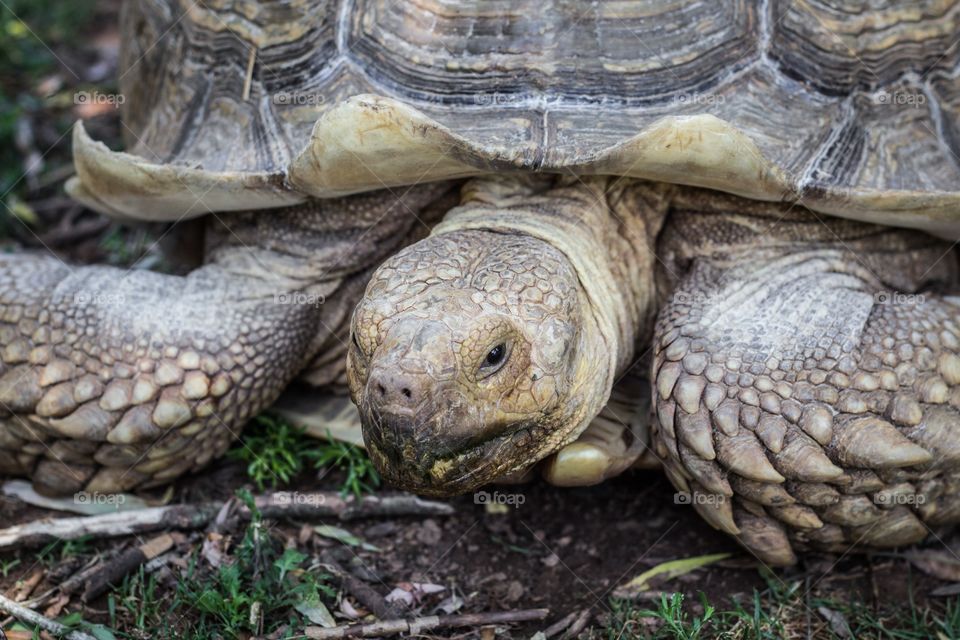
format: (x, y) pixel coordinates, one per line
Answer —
(468, 356)
(114, 379)
(796, 405)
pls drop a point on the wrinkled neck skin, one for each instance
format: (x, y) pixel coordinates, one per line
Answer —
(606, 228)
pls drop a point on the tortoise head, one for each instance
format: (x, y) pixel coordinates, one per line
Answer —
(466, 354)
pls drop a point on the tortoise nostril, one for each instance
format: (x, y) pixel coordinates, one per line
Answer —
(394, 388)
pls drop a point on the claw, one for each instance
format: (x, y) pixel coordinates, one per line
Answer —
(695, 432)
(817, 421)
(688, 391)
(705, 472)
(134, 427)
(764, 493)
(715, 509)
(727, 417)
(89, 422)
(797, 516)
(803, 459)
(667, 378)
(744, 455)
(874, 443)
(766, 538)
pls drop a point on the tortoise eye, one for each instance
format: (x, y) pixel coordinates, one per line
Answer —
(356, 341)
(495, 359)
(495, 356)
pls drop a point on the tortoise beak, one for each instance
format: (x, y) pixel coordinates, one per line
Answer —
(412, 440)
(416, 458)
(401, 407)
(423, 434)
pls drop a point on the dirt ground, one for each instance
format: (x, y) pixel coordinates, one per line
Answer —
(565, 550)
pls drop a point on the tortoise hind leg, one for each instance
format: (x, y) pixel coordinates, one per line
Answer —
(805, 405)
(617, 439)
(322, 414)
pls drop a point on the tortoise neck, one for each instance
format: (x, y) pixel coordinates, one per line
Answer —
(605, 226)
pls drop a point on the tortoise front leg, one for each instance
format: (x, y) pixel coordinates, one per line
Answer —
(805, 403)
(114, 379)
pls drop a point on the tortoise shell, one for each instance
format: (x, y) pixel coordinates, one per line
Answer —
(849, 107)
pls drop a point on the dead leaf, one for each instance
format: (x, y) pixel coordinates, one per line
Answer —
(25, 587)
(317, 613)
(666, 571)
(55, 608)
(940, 564)
(23, 211)
(85, 504)
(496, 508)
(947, 590)
(838, 622)
(349, 611)
(344, 536)
(515, 591)
(399, 595)
(214, 549)
(411, 593)
(451, 605)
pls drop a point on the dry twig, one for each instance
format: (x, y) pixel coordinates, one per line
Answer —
(419, 625)
(30, 617)
(281, 504)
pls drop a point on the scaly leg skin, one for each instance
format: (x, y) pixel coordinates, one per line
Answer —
(112, 380)
(801, 400)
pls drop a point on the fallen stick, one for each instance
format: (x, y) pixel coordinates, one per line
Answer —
(419, 625)
(124, 523)
(293, 504)
(75, 582)
(578, 625)
(25, 589)
(125, 564)
(560, 626)
(364, 593)
(185, 517)
(31, 617)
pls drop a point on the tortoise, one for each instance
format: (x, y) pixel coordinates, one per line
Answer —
(751, 202)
